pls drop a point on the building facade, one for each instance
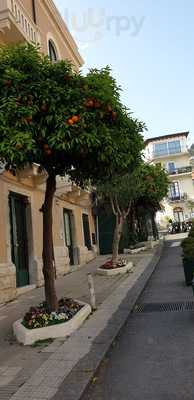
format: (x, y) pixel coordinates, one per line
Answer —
(172, 152)
(21, 197)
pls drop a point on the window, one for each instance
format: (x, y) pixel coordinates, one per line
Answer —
(160, 149)
(171, 167)
(174, 147)
(52, 51)
(178, 214)
(86, 229)
(165, 148)
(175, 191)
(67, 227)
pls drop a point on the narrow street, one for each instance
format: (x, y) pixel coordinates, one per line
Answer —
(153, 359)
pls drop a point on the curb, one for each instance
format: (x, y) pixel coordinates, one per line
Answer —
(76, 383)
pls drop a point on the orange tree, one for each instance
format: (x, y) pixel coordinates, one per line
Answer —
(144, 185)
(65, 122)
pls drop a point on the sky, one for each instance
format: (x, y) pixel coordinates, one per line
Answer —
(149, 45)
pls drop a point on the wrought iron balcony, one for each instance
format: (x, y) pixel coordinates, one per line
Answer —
(178, 197)
(15, 23)
(182, 170)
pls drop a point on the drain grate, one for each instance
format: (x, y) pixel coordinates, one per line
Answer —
(164, 307)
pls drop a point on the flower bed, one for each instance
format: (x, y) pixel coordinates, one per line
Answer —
(39, 317)
(109, 265)
(122, 267)
(38, 324)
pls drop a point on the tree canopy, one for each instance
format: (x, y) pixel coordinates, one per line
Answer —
(147, 181)
(145, 186)
(62, 120)
(65, 122)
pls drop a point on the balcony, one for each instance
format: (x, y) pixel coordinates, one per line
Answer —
(15, 24)
(178, 198)
(179, 171)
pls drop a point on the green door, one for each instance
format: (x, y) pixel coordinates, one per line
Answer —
(68, 234)
(19, 242)
(86, 230)
(106, 232)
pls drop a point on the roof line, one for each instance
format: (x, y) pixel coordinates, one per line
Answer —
(168, 136)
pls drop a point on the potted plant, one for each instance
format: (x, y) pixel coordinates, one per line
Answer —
(188, 259)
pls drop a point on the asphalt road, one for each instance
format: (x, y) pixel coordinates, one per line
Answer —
(153, 358)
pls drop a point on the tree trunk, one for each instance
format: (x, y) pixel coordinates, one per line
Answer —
(116, 239)
(154, 227)
(132, 224)
(48, 265)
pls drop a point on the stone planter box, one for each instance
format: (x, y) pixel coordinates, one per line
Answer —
(30, 336)
(115, 271)
(134, 251)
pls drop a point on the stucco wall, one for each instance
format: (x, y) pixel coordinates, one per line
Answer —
(36, 197)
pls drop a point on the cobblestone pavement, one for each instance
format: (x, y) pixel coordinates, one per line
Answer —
(153, 358)
(19, 363)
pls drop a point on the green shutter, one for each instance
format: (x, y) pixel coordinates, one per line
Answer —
(86, 229)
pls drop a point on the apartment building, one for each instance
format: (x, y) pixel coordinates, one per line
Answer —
(171, 151)
(21, 197)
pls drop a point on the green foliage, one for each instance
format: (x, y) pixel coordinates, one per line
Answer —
(191, 150)
(188, 248)
(61, 120)
(148, 183)
(191, 232)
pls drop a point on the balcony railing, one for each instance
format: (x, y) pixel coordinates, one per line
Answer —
(182, 170)
(13, 14)
(178, 197)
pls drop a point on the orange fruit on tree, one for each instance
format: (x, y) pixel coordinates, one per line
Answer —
(70, 121)
(75, 118)
(90, 103)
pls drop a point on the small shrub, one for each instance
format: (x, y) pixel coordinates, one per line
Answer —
(188, 248)
(188, 259)
(191, 232)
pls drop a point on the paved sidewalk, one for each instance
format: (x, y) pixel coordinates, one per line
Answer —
(37, 372)
(153, 358)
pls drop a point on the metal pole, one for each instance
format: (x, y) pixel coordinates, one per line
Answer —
(92, 292)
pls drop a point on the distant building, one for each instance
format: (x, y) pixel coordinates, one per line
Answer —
(171, 151)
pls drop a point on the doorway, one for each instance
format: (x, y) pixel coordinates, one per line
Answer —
(19, 237)
(178, 214)
(86, 231)
(68, 234)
